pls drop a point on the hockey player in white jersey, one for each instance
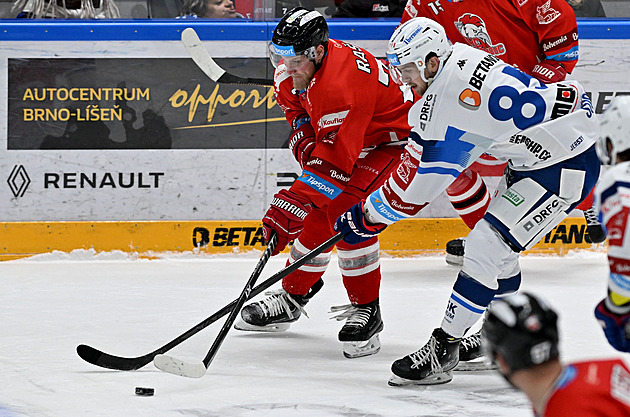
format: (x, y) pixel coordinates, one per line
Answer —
(472, 103)
(613, 194)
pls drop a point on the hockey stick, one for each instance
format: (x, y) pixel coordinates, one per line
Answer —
(205, 62)
(105, 360)
(197, 370)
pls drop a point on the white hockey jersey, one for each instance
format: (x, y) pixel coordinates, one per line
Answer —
(613, 193)
(478, 104)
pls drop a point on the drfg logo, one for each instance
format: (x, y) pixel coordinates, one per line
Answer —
(542, 214)
(18, 181)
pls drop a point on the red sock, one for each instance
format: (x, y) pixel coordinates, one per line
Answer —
(469, 196)
(587, 203)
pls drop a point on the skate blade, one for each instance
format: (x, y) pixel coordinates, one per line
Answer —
(270, 328)
(435, 379)
(352, 350)
(478, 365)
(454, 260)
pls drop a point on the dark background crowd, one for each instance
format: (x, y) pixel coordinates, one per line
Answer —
(244, 9)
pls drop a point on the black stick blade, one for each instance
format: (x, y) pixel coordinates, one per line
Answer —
(104, 360)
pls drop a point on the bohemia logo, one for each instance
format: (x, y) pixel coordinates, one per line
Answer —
(18, 181)
(473, 28)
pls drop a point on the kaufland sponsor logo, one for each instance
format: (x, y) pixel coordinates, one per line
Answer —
(552, 44)
(332, 119)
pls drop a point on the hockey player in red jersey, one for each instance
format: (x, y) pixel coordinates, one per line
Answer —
(349, 121)
(521, 334)
(540, 38)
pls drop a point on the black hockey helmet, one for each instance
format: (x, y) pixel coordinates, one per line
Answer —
(522, 329)
(299, 32)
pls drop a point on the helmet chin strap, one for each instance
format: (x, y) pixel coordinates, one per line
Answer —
(441, 62)
(319, 65)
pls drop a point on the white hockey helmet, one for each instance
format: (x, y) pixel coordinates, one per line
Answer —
(415, 40)
(615, 129)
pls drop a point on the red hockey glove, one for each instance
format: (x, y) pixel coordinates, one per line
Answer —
(355, 228)
(302, 141)
(616, 327)
(286, 216)
(549, 72)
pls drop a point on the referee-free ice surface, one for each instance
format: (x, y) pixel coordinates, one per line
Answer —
(126, 306)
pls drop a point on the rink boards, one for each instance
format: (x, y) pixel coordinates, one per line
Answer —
(111, 138)
(149, 239)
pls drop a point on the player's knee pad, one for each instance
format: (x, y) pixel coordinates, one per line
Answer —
(318, 264)
(488, 257)
(527, 211)
(301, 280)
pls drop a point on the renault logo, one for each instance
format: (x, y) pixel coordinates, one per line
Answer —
(18, 181)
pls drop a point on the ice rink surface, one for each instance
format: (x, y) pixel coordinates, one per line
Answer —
(128, 307)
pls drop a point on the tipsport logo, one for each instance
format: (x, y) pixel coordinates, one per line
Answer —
(18, 181)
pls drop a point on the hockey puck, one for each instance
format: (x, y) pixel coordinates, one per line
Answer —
(145, 392)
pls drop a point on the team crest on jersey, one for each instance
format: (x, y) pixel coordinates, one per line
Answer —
(406, 169)
(474, 30)
(470, 99)
(546, 14)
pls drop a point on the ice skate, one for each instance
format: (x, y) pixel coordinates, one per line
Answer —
(471, 357)
(431, 365)
(360, 333)
(455, 252)
(276, 312)
(594, 231)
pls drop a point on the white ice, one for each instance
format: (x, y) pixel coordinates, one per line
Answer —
(129, 307)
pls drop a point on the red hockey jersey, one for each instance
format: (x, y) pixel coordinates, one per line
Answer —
(520, 32)
(591, 389)
(353, 104)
